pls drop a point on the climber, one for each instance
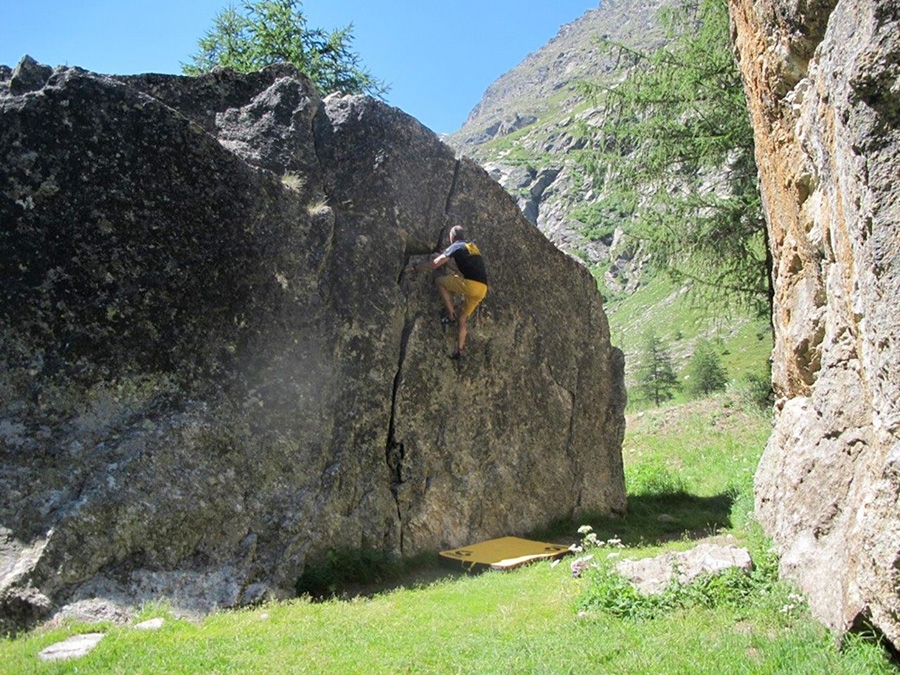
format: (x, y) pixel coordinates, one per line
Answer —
(472, 285)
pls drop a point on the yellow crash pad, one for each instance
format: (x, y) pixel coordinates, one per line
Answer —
(504, 553)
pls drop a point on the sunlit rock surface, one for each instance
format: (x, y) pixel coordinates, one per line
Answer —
(823, 83)
(212, 369)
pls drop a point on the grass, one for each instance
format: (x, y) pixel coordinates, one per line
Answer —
(693, 463)
(294, 181)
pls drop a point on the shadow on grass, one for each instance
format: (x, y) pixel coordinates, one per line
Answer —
(350, 573)
(654, 519)
(651, 519)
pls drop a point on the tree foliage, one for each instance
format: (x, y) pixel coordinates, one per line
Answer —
(675, 154)
(656, 376)
(707, 375)
(265, 32)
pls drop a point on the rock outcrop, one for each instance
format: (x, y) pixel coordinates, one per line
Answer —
(823, 83)
(652, 576)
(212, 368)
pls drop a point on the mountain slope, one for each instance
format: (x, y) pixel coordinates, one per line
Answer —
(528, 133)
(528, 130)
(544, 86)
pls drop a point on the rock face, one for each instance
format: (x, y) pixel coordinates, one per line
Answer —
(823, 82)
(212, 368)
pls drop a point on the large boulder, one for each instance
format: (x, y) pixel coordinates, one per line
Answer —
(212, 369)
(823, 83)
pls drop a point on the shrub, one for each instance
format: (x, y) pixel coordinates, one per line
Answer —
(756, 390)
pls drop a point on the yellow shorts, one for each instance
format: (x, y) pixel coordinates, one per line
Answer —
(472, 291)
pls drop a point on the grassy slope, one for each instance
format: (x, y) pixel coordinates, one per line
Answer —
(743, 342)
(694, 463)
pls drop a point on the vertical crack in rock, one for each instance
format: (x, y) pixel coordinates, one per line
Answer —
(578, 470)
(452, 187)
(442, 235)
(395, 451)
(570, 450)
(330, 216)
(329, 213)
(573, 455)
(447, 205)
(437, 244)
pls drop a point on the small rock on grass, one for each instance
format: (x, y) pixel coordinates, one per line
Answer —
(652, 575)
(71, 648)
(151, 624)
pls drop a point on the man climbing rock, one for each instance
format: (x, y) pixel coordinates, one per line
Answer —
(472, 285)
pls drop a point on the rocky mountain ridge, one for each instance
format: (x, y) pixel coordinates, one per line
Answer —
(528, 129)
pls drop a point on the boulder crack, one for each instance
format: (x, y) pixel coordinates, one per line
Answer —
(570, 438)
(395, 451)
(453, 185)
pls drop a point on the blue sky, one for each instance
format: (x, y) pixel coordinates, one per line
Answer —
(438, 57)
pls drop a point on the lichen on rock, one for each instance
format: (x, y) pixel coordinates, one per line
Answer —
(212, 368)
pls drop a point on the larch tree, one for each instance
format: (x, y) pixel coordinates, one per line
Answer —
(674, 157)
(265, 32)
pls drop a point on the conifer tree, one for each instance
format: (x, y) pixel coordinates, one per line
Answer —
(707, 375)
(675, 157)
(657, 380)
(276, 31)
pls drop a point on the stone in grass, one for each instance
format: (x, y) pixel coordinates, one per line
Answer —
(652, 575)
(95, 610)
(71, 648)
(150, 624)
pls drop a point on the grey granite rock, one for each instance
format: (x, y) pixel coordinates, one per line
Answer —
(28, 76)
(212, 368)
(74, 647)
(653, 575)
